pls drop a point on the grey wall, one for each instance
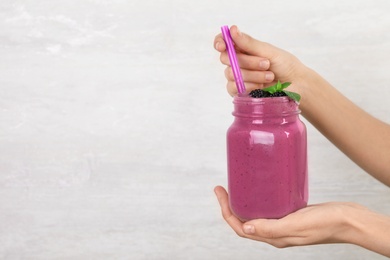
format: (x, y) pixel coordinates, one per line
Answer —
(113, 116)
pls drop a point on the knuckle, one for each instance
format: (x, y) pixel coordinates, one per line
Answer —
(239, 234)
(231, 89)
(229, 73)
(226, 217)
(224, 58)
(221, 58)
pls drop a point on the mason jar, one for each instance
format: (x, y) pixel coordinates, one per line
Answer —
(267, 158)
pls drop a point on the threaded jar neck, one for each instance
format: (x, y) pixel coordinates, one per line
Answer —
(264, 107)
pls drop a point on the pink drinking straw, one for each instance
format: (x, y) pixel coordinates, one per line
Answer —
(233, 59)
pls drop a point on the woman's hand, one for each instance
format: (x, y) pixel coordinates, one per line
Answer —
(334, 222)
(261, 63)
(336, 117)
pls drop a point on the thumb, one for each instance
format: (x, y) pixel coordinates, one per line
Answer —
(265, 228)
(251, 46)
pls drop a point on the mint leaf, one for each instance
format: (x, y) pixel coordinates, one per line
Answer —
(286, 84)
(272, 89)
(293, 95)
(278, 87)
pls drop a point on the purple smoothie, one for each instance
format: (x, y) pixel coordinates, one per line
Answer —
(267, 158)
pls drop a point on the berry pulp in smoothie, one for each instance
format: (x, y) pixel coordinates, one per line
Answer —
(267, 158)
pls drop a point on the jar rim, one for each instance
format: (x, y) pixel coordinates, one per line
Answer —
(248, 99)
(264, 107)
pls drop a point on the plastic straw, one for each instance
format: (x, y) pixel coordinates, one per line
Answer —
(233, 59)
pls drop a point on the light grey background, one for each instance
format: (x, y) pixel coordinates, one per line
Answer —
(113, 116)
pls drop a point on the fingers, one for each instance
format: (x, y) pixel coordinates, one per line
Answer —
(270, 231)
(303, 227)
(265, 228)
(232, 220)
(267, 231)
(219, 43)
(252, 79)
(251, 46)
(247, 61)
(245, 43)
(276, 232)
(232, 88)
(259, 77)
(254, 69)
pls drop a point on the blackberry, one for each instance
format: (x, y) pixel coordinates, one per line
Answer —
(279, 94)
(259, 93)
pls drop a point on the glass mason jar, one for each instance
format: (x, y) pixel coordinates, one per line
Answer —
(267, 158)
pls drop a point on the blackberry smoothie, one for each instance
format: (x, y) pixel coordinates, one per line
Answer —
(267, 158)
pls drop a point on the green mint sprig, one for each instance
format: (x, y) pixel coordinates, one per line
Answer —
(279, 87)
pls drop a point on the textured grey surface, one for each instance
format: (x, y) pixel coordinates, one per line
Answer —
(113, 118)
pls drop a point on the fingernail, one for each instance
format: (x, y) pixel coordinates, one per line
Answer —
(239, 32)
(216, 45)
(264, 64)
(249, 229)
(216, 194)
(269, 76)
